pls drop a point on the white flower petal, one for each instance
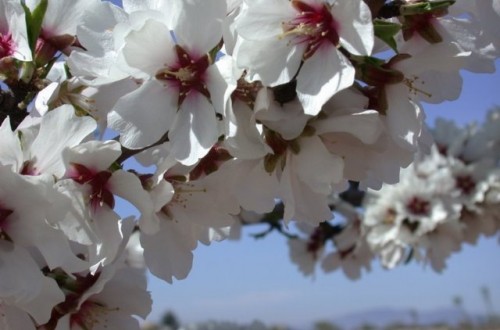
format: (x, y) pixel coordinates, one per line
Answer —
(301, 203)
(41, 307)
(263, 19)
(355, 26)
(12, 318)
(129, 187)
(22, 280)
(145, 115)
(322, 75)
(168, 252)
(316, 166)
(126, 282)
(95, 155)
(53, 137)
(149, 49)
(10, 147)
(271, 61)
(197, 24)
(244, 140)
(404, 117)
(365, 125)
(195, 130)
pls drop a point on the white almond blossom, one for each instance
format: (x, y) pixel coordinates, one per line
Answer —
(100, 300)
(94, 101)
(185, 218)
(275, 37)
(454, 26)
(184, 89)
(292, 161)
(37, 149)
(443, 200)
(99, 62)
(403, 216)
(25, 219)
(24, 287)
(352, 254)
(92, 185)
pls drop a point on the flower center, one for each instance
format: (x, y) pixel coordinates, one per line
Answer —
(418, 206)
(312, 26)
(280, 146)
(91, 315)
(6, 45)
(247, 91)
(182, 197)
(29, 168)
(98, 181)
(316, 241)
(188, 75)
(412, 84)
(465, 183)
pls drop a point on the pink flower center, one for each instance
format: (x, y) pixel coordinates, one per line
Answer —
(247, 91)
(465, 183)
(442, 149)
(188, 75)
(316, 241)
(7, 46)
(98, 181)
(418, 206)
(312, 26)
(29, 168)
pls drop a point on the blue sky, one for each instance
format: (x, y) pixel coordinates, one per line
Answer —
(249, 279)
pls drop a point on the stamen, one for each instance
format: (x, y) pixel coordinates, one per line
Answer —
(410, 83)
(188, 75)
(312, 26)
(190, 191)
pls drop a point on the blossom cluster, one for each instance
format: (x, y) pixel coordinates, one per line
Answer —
(231, 108)
(446, 198)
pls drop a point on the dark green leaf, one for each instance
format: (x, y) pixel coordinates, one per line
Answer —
(386, 31)
(34, 22)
